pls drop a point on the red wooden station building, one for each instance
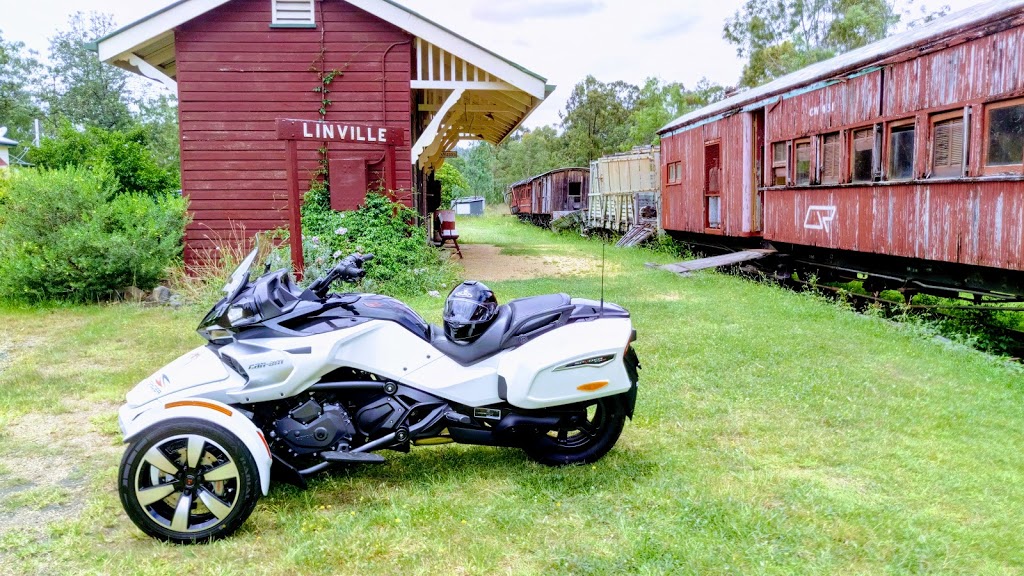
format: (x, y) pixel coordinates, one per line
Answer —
(383, 91)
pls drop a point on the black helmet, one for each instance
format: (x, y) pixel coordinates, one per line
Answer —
(468, 311)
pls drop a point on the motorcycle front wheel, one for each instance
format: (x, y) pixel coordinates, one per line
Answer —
(585, 439)
(187, 481)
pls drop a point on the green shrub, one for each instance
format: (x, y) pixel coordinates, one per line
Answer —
(131, 166)
(66, 236)
(404, 263)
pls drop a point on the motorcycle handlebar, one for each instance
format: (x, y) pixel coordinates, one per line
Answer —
(349, 269)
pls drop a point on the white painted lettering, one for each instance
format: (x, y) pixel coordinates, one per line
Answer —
(305, 131)
(382, 134)
(359, 134)
(342, 132)
(328, 131)
(369, 135)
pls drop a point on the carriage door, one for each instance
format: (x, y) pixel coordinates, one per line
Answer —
(712, 186)
(759, 159)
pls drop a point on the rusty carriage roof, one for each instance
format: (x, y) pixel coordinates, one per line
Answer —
(866, 57)
(548, 173)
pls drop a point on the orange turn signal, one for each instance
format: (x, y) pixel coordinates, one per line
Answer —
(592, 386)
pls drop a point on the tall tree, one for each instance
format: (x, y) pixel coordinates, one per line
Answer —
(82, 89)
(19, 71)
(159, 117)
(780, 36)
(658, 103)
(478, 164)
(595, 121)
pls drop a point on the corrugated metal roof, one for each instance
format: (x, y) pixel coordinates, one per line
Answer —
(855, 59)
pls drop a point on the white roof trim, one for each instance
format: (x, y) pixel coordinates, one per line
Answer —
(127, 39)
(121, 44)
(431, 32)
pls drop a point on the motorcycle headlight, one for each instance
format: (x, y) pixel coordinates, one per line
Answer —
(242, 313)
(236, 313)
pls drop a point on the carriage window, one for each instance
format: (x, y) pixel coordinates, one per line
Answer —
(779, 164)
(948, 145)
(1005, 137)
(831, 150)
(575, 195)
(863, 156)
(675, 172)
(802, 176)
(901, 152)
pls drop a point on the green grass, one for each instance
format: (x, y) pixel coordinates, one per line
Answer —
(775, 433)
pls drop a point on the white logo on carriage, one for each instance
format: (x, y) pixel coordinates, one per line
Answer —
(820, 218)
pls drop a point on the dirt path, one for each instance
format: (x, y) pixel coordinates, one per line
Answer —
(48, 460)
(485, 262)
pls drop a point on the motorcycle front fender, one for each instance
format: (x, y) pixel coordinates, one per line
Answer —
(134, 422)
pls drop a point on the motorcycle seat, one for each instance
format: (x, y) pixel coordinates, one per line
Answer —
(516, 323)
(488, 344)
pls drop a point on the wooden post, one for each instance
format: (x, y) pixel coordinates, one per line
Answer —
(389, 174)
(294, 210)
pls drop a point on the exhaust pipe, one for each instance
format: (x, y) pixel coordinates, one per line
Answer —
(513, 423)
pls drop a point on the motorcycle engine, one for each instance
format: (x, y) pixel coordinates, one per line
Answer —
(312, 427)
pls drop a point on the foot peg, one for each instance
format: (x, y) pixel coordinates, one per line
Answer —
(352, 457)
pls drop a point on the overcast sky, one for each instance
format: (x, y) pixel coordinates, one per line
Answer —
(562, 40)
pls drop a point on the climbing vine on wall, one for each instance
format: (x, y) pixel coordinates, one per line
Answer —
(319, 185)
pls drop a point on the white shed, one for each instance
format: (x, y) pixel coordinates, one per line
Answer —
(5, 145)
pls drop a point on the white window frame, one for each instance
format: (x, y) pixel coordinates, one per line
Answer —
(277, 22)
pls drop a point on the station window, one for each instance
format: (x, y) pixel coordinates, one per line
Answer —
(901, 151)
(1004, 138)
(831, 162)
(862, 156)
(780, 170)
(293, 14)
(802, 172)
(947, 145)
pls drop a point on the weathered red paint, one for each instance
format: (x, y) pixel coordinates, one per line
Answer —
(974, 220)
(236, 76)
(969, 222)
(548, 193)
(683, 203)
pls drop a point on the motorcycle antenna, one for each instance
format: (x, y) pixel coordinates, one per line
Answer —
(604, 241)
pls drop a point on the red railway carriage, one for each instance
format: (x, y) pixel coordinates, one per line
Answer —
(550, 195)
(239, 66)
(901, 162)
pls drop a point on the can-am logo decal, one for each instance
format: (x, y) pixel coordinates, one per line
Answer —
(463, 294)
(261, 365)
(820, 218)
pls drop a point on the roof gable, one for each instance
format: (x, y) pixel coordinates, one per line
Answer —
(157, 29)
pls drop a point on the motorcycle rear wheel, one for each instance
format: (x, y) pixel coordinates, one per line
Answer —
(188, 481)
(582, 442)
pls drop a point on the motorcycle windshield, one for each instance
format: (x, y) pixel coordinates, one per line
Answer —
(240, 277)
(238, 280)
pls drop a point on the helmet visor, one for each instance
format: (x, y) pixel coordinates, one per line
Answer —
(465, 311)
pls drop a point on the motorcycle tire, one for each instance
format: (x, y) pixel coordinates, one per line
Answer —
(582, 443)
(188, 481)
